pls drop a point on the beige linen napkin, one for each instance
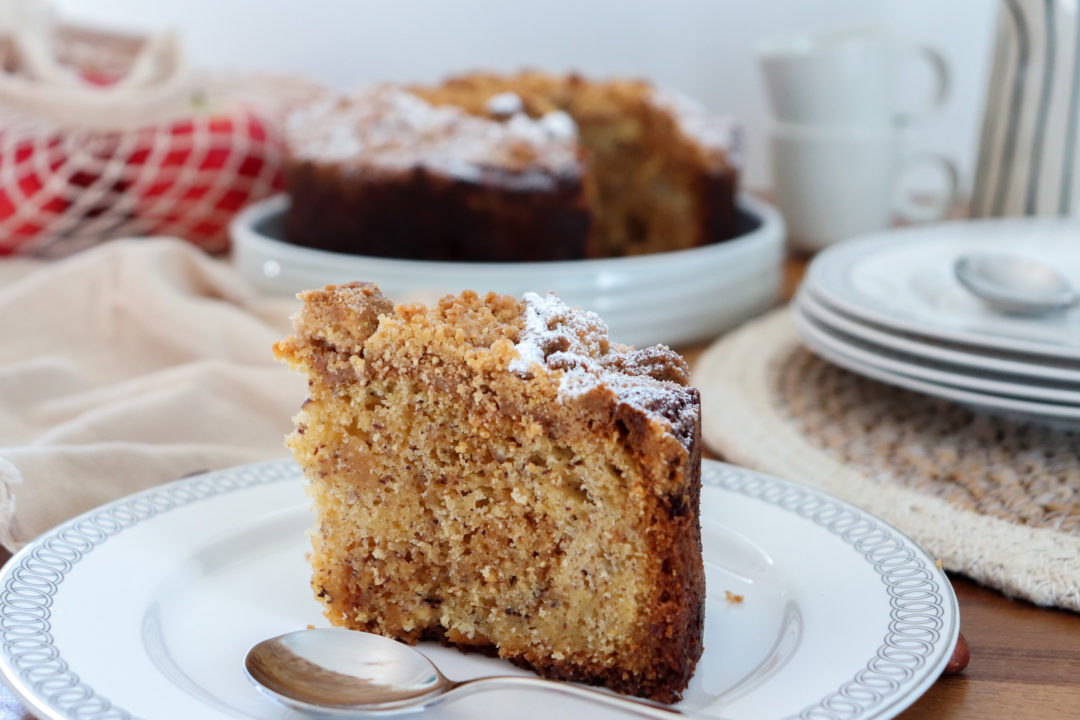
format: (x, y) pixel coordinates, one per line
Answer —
(132, 364)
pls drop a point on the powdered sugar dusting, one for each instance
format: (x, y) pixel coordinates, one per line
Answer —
(720, 135)
(505, 104)
(387, 129)
(653, 380)
(559, 124)
(552, 327)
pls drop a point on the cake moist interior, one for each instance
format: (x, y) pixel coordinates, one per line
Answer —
(520, 526)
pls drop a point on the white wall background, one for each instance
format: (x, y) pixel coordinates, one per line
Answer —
(703, 47)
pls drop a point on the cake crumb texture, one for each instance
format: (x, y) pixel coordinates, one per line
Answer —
(496, 474)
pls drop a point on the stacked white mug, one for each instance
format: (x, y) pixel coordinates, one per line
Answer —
(836, 143)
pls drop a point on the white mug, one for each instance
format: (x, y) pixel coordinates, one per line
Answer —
(833, 183)
(848, 77)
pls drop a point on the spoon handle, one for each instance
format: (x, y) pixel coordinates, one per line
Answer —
(501, 682)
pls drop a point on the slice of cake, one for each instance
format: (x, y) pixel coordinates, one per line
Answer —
(496, 474)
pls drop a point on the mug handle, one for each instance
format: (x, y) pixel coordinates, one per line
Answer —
(912, 211)
(942, 83)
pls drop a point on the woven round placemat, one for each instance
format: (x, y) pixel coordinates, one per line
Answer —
(996, 499)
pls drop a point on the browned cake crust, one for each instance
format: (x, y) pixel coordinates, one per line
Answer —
(656, 172)
(496, 474)
(428, 216)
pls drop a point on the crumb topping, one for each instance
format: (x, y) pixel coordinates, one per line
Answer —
(554, 330)
(389, 129)
(719, 135)
(558, 337)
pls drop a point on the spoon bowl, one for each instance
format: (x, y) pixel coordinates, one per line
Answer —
(326, 669)
(1014, 284)
(333, 671)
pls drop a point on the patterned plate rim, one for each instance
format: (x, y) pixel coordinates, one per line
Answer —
(924, 615)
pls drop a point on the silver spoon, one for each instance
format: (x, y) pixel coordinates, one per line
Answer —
(1014, 284)
(344, 672)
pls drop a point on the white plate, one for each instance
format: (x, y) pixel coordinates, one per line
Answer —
(902, 279)
(961, 356)
(831, 347)
(146, 606)
(674, 297)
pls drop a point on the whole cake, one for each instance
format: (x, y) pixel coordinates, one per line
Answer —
(522, 167)
(496, 474)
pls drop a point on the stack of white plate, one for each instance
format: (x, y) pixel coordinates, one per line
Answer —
(889, 307)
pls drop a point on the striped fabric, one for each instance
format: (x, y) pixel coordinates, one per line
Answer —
(1027, 161)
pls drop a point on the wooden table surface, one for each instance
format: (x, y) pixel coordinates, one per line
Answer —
(1025, 660)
